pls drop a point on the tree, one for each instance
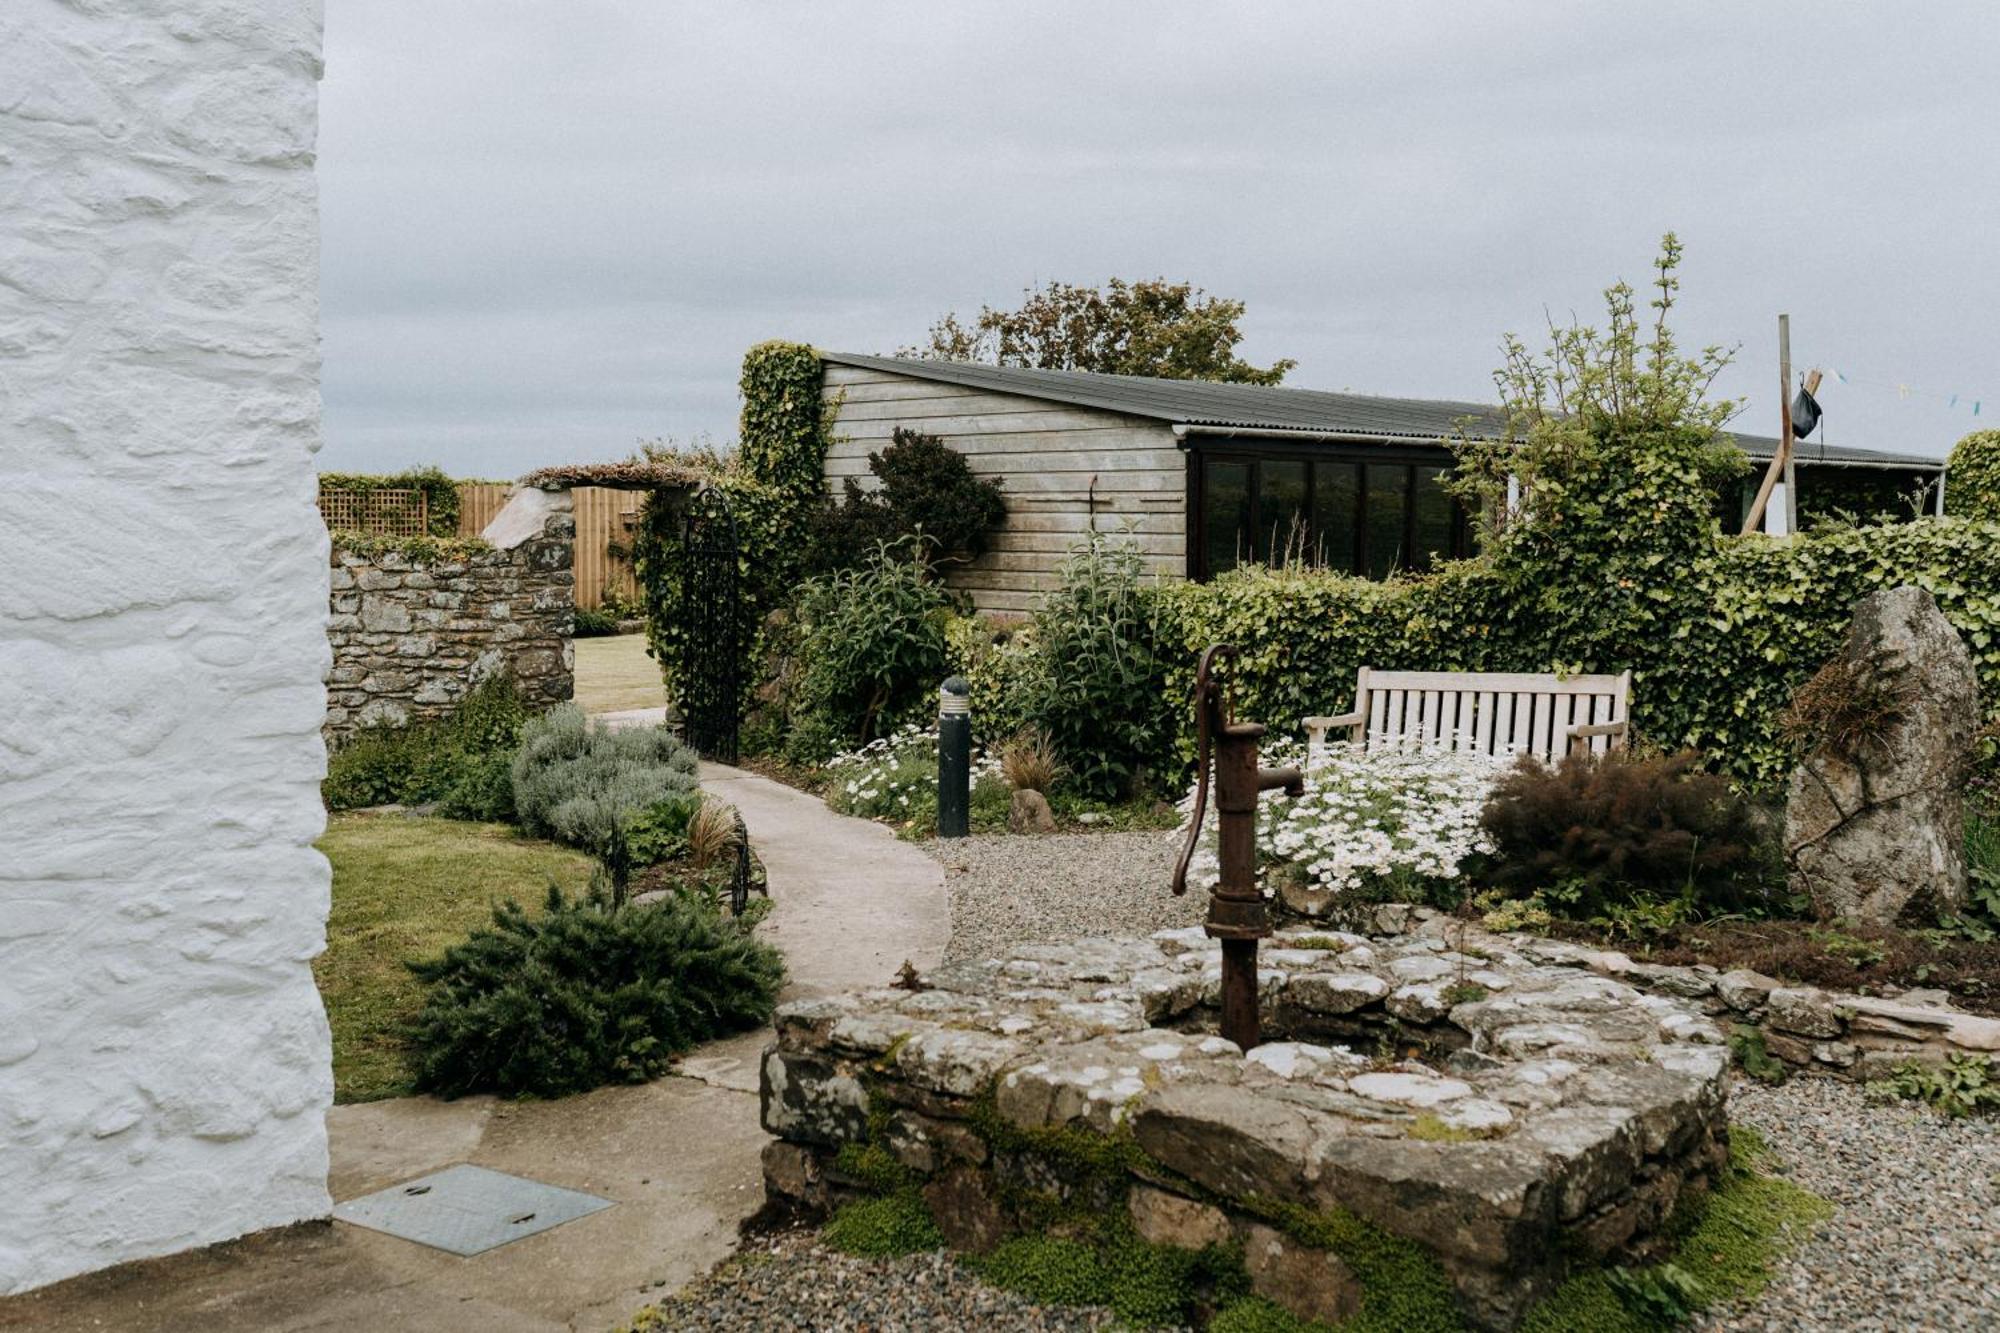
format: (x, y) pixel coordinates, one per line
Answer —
(1170, 330)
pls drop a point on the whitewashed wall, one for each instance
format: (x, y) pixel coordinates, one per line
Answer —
(164, 1060)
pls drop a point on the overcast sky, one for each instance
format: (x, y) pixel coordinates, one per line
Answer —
(551, 229)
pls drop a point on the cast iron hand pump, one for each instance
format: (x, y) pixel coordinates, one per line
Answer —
(1236, 912)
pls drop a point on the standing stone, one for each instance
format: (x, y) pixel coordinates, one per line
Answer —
(1874, 829)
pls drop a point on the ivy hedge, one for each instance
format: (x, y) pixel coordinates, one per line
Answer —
(1972, 486)
(440, 492)
(773, 490)
(1717, 646)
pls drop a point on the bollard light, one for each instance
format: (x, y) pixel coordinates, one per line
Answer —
(954, 801)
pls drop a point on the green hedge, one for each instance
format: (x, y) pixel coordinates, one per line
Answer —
(1972, 477)
(773, 491)
(440, 492)
(1716, 647)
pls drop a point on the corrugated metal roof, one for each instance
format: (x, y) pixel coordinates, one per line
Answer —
(1253, 408)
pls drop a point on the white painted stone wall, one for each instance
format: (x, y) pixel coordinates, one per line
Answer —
(164, 1059)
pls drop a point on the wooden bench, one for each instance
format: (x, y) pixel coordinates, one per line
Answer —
(1492, 712)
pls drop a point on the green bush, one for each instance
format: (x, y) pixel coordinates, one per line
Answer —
(1097, 686)
(586, 994)
(449, 760)
(595, 622)
(1972, 477)
(870, 645)
(586, 785)
(928, 494)
(1596, 832)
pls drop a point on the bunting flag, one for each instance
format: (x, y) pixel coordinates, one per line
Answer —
(1905, 391)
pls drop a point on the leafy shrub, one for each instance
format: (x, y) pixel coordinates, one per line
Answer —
(870, 644)
(449, 760)
(595, 622)
(1097, 690)
(1599, 831)
(927, 494)
(1394, 823)
(1973, 486)
(1963, 1085)
(585, 785)
(1001, 664)
(483, 790)
(586, 994)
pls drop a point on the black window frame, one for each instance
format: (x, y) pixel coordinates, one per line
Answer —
(1319, 456)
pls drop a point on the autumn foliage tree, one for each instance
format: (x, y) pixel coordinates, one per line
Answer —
(1169, 330)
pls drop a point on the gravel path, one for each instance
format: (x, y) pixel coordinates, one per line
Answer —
(1008, 890)
(1916, 1241)
(792, 1284)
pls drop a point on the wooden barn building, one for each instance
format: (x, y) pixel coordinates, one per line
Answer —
(1209, 475)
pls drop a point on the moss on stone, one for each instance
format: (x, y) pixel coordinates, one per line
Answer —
(1403, 1290)
(1433, 1130)
(874, 1168)
(1097, 1156)
(1746, 1044)
(1725, 1248)
(1109, 1264)
(884, 1226)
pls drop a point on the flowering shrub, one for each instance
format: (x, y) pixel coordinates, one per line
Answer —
(894, 777)
(1395, 823)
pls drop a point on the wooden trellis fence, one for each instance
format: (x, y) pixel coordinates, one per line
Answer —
(385, 512)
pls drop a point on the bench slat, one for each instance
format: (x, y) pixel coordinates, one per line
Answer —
(1498, 681)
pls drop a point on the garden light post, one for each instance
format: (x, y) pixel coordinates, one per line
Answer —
(954, 758)
(1236, 912)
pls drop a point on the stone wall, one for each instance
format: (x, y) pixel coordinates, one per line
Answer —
(164, 1059)
(411, 634)
(1491, 1118)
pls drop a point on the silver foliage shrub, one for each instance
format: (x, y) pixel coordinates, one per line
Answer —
(577, 783)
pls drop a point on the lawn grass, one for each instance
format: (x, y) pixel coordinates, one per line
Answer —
(614, 674)
(403, 888)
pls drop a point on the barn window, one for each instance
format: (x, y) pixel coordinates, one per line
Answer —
(1368, 512)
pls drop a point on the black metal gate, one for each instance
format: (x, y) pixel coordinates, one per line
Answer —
(711, 627)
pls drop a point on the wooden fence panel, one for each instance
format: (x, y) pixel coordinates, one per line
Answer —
(478, 502)
(605, 517)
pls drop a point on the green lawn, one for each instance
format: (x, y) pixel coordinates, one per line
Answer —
(405, 888)
(614, 674)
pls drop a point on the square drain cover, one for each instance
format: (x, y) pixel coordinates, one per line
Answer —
(468, 1209)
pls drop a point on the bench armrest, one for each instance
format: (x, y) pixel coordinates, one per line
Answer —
(1317, 727)
(1585, 731)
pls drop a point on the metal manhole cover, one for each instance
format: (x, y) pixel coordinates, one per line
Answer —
(468, 1210)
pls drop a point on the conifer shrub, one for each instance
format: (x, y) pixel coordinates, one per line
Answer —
(1598, 832)
(586, 994)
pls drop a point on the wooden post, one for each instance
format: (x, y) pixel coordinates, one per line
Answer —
(1781, 464)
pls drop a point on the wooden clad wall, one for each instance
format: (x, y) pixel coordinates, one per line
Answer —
(1064, 470)
(603, 517)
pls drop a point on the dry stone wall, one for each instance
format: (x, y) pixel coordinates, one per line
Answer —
(410, 634)
(1554, 1115)
(165, 1066)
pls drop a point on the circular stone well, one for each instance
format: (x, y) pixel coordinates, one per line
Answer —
(1503, 1117)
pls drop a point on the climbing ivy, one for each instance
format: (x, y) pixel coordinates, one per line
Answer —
(1972, 478)
(440, 492)
(786, 422)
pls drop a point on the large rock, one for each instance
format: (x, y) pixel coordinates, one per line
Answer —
(1874, 829)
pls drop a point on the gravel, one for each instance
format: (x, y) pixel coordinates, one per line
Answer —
(1916, 1241)
(1914, 1245)
(791, 1283)
(1008, 890)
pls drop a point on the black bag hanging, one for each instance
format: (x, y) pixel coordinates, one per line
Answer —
(1805, 415)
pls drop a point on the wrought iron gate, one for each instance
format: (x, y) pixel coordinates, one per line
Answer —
(711, 627)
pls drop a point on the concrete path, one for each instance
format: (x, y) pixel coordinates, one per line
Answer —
(679, 1156)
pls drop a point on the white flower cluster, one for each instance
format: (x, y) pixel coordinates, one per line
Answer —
(895, 775)
(1391, 818)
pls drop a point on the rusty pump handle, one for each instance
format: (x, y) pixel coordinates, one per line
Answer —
(1208, 720)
